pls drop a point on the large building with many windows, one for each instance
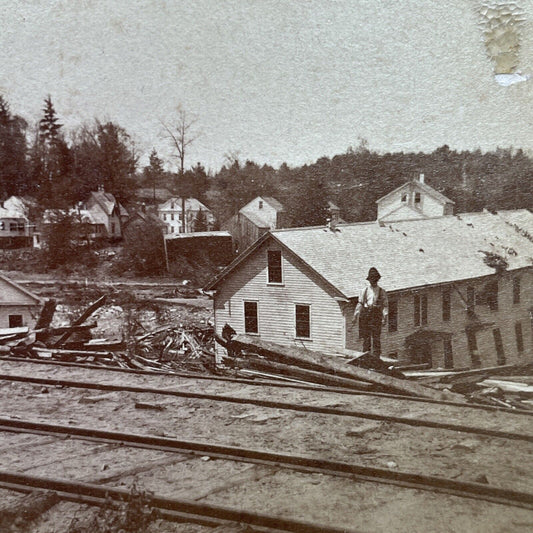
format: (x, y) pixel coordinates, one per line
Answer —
(460, 288)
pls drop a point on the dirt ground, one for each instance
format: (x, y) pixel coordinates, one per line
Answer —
(335, 501)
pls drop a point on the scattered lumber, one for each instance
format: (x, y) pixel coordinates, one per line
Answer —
(328, 364)
(311, 376)
(47, 314)
(523, 390)
(81, 319)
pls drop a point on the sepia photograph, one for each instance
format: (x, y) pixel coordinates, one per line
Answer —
(266, 266)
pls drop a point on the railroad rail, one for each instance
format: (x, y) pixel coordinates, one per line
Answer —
(306, 464)
(272, 404)
(276, 384)
(170, 509)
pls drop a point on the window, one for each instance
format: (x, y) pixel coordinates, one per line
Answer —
(393, 315)
(274, 266)
(12, 226)
(448, 353)
(470, 299)
(418, 198)
(112, 228)
(516, 290)
(491, 295)
(472, 348)
(498, 343)
(250, 317)
(519, 338)
(446, 304)
(260, 204)
(15, 321)
(172, 216)
(303, 321)
(420, 309)
(404, 198)
(2, 225)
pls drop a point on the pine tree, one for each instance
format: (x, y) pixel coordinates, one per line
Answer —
(13, 166)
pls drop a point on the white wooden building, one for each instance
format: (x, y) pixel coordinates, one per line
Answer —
(414, 199)
(449, 305)
(18, 306)
(170, 212)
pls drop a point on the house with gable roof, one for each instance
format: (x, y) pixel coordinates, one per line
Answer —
(104, 210)
(170, 212)
(412, 200)
(258, 216)
(18, 306)
(460, 288)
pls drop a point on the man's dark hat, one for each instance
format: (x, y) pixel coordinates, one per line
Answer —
(373, 274)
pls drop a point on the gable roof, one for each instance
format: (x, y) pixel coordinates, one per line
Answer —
(278, 206)
(415, 184)
(256, 218)
(408, 253)
(107, 202)
(33, 299)
(191, 204)
(403, 212)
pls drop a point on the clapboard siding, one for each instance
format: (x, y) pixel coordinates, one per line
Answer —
(276, 303)
(332, 329)
(505, 318)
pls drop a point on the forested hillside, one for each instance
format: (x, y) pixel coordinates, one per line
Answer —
(60, 168)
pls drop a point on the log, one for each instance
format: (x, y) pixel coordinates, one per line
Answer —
(44, 333)
(83, 317)
(47, 314)
(319, 361)
(299, 373)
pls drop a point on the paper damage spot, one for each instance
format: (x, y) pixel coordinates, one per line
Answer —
(502, 23)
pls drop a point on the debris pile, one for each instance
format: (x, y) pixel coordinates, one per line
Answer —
(166, 349)
(246, 352)
(509, 386)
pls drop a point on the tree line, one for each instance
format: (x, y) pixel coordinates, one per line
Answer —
(60, 168)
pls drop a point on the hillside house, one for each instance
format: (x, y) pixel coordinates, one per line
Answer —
(257, 217)
(170, 212)
(460, 288)
(15, 230)
(18, 306)
(414, 199)
(105, 211)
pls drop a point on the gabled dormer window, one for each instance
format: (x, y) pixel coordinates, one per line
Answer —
(274, 266)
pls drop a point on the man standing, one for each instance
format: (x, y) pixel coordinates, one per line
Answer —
(372, 310)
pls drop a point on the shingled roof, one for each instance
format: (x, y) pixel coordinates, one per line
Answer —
(408, 253)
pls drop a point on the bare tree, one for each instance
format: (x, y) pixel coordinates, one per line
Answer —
(181, 136)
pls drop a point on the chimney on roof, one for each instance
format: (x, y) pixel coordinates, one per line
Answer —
(422, 177)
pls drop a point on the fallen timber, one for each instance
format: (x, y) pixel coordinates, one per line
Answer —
(299, 463)
(319, 361)
(273, 404)
(170, 509)
(312, 376)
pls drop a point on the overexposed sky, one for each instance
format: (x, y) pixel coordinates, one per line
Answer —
(275, 81)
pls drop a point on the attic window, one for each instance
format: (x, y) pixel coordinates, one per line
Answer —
(260, 204)
(417, 198)
(274, 266)
(404, 198)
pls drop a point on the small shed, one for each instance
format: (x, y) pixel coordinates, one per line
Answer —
(18, 306)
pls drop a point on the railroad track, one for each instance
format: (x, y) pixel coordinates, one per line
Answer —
(272, 404)
(274, 384)
(298, 463)
(171, 509)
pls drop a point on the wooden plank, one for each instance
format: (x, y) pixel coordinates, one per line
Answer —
(322, 362)
(297, 372)
(83, 317)
(47, 314)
